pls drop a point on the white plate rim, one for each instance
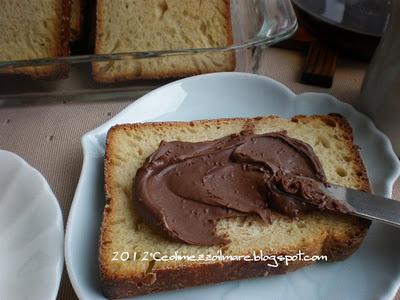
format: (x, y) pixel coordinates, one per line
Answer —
(58, 217)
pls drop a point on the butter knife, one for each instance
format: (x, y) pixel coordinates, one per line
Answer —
(366, 205)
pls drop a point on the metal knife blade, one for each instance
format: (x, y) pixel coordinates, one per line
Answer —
(366, 205)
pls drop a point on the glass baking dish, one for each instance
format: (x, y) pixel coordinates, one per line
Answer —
(255, 24)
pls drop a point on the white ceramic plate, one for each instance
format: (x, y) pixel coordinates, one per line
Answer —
(372, 272)
(31, 233)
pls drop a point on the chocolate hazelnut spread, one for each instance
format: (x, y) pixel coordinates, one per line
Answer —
(184, 188)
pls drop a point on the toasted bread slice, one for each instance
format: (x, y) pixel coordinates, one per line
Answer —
(318, 233)
(32, 30)
(153, 25)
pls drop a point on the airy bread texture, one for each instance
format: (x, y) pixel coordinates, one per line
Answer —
(317, 233)
(150, 25)
(34, 29)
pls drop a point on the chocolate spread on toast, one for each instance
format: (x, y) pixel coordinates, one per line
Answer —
(184, 188)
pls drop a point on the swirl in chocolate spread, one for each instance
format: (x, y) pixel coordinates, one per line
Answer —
(184, 188)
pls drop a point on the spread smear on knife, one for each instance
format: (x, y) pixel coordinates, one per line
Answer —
(184, 188)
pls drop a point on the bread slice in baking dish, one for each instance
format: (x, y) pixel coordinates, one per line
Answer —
(152, 25)
(318, 233)
(33, 29)
(76, 22)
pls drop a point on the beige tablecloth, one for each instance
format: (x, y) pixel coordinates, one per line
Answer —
(48, 136)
